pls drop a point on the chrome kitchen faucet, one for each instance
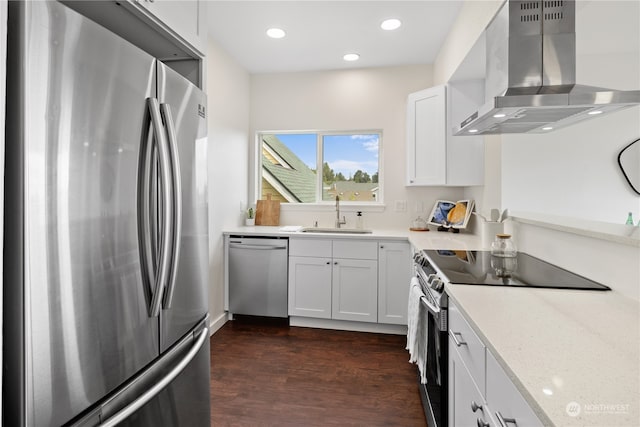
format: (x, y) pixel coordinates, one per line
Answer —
(339, 222)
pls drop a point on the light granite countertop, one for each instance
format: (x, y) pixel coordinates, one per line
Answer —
(559, 347)
(562, 347)
(419, 239)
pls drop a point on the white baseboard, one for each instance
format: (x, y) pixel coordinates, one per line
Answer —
(217, 323)
(344, 325)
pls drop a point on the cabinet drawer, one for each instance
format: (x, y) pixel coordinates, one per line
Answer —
(310, 247)
(470, 348)
(355, 249)
(505, 399)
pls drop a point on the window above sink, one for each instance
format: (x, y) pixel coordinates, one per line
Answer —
(349, 162)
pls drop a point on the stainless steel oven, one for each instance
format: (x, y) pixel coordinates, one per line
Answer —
(434, 392)
(434, 268)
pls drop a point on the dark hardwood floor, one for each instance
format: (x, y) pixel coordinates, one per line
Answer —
(265, 373)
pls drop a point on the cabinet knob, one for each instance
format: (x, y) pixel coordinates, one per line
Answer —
(335, 263)
(381, 246)
(475, 406)
(482, 423)
(328, 263)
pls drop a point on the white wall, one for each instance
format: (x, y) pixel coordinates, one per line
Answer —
(571, 172)
(349, 100)
(228, 88)
(471, 22)
(574, 171)
(473, 18)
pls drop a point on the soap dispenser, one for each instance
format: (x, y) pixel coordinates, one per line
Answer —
(359, 220)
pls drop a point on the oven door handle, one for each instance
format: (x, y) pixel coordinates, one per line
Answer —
(432, 308)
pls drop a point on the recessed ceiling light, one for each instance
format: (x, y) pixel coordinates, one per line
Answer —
(499, 115)
(473, 130)
(595, 112)
(390, 24)
(351, 57)
(547, 128)
(276, 33)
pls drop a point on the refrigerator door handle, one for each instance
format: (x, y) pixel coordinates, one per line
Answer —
(165, 109)
(146, 235)
(151, 392)
(166, 229)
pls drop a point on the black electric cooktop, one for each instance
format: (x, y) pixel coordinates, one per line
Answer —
(481, 268)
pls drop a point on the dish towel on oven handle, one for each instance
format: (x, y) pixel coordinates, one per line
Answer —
(417, 329)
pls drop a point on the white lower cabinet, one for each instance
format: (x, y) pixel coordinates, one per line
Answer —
(355, 290)
(395, 267)
(480, 392)
(349, 279)
(466, 403)
(310, 287)
(508, 406)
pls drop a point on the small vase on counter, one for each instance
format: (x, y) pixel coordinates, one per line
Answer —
(250, 220)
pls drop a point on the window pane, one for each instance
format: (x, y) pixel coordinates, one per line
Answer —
(350, 167)
(288, 167)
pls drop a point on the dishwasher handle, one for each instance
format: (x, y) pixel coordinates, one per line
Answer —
(257, 247)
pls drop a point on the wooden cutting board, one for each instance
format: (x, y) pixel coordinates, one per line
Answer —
(268, 212)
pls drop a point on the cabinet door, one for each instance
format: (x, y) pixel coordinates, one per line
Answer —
(465, 154)
(506, 401)
(183, 17)
(426, 137)
(310, 287)
(466, 404)
(355, 290)
(394, 276)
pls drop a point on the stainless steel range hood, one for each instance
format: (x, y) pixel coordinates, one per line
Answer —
(531, 73)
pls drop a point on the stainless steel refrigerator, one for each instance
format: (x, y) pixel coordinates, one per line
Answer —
(105, 256)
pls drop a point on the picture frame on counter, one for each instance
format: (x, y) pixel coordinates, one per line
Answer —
(448, 214)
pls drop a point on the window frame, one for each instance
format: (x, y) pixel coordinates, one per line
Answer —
(348, 205)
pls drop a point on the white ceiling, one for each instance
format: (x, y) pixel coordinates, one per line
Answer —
(319, 33)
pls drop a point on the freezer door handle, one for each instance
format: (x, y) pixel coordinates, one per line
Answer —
(176, 187)
(151, 392)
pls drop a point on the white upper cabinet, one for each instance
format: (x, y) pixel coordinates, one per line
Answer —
(434, 155)
(426, 137)
(184, 18)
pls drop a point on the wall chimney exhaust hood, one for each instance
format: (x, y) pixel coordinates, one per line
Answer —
(531, 66)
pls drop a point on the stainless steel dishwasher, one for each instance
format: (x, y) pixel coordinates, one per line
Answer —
(258, 276)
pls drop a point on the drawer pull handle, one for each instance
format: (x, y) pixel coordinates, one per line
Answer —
(482, 423)
(455, 339)
(475, 406)
(504, 421)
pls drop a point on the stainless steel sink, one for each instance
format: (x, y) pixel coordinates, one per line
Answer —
(335, 230)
